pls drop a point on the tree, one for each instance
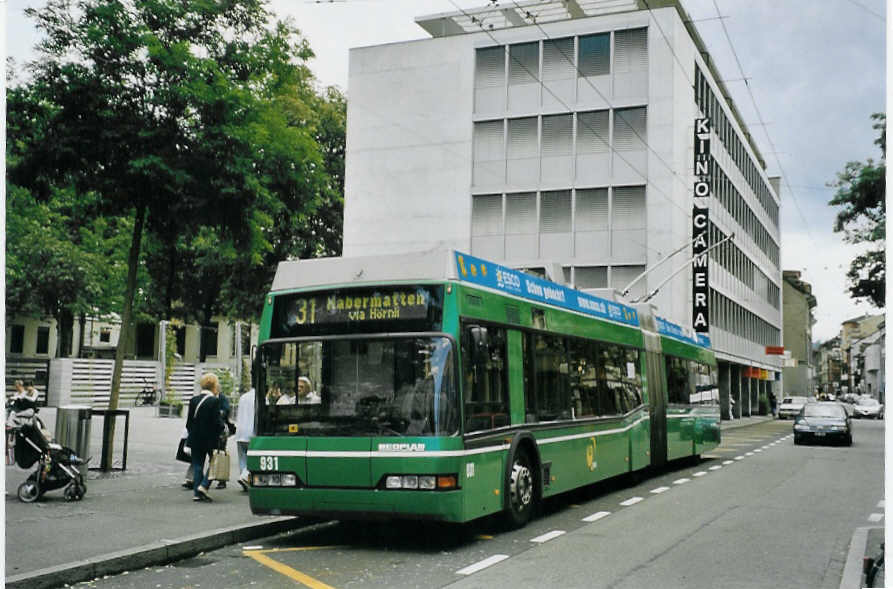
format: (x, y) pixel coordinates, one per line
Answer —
(861, 190)
(170, 112)
(58, 266)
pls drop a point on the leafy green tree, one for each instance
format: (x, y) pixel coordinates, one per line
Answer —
(57, 266)
(172, 112)
(861, 189)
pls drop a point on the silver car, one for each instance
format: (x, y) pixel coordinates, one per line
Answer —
(868, 408)
(791, 406)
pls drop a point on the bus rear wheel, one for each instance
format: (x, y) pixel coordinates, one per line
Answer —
(521, 490)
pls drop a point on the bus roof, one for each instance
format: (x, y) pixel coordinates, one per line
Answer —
(448, 264)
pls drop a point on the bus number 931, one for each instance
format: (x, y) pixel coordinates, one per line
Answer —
(269, 463)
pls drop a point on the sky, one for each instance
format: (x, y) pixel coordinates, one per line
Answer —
(815, 70)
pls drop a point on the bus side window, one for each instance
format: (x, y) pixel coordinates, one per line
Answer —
(552, 382)
(678, 385)
(485, 377)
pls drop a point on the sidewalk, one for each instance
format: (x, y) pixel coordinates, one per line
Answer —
(726, 424)
(142, 514)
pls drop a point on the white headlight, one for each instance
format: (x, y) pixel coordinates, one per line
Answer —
(410, 481)
(393, 482)
(427, 482)
(289, 480)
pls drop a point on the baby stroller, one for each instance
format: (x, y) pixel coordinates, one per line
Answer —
(28, 442)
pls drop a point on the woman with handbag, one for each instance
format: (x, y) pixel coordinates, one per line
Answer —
(204, 426)
(228, 430)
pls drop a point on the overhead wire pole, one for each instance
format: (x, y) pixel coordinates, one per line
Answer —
(625, 291)
(649, 296)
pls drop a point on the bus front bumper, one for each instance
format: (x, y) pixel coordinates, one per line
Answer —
(359, 504)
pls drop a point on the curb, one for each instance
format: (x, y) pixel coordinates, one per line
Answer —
(744, 422)
(852, 570)
(157, 553)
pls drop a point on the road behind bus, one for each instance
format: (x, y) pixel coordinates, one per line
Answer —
(757, 512)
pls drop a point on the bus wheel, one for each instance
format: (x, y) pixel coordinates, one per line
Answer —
(521, 490)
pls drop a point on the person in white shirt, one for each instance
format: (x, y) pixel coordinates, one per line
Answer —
(244, 433)
(287, 398)
(30, 392)
(307, 396)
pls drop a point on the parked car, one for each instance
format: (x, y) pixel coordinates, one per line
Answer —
(826, 421)
(868, 408)
(791, 406)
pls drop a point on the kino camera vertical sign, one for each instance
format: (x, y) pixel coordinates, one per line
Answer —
(700, 312)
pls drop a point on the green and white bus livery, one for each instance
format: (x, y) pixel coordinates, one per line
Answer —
(442, 386)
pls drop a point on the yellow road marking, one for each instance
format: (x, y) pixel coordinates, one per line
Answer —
(483, 537)
(296, 549)
(289, 572)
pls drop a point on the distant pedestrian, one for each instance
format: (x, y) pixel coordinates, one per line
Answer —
(244, 433)
(204, 424)
(773, 404)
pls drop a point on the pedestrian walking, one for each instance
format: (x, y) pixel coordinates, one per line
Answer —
(244, 433)
(228, 429)
(204, 425)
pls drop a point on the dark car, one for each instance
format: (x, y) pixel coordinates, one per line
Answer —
(823, 422)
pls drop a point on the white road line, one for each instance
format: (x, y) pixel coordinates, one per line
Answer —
(252, 547)
(547, 536)
(680, 481)
(739, 457)
(880, 504)
(749, 454)
(470, 570)
(728, 462)
(631, 501)
(875, 517)
(596, 516)
(700, 473)
(758, 450)
(660, 490)
(715, 467)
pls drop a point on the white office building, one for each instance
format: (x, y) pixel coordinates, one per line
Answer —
(560, 134)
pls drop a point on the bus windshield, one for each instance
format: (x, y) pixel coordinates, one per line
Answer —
(397, 386)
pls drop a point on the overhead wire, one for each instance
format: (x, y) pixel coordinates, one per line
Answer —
(607, 143)
(580, 74)
(784, 175)
(601, 95)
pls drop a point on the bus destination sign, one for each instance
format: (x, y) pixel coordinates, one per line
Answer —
(351, 310)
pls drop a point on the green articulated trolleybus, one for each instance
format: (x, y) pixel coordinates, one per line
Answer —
(442, 386)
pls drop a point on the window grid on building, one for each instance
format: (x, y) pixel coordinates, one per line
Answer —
(722, 126)
(728, 196)
(732, 317)
(736, 262)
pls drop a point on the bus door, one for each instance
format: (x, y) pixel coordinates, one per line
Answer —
(657, 399)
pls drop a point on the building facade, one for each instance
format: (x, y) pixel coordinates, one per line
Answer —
(558, 137)
(799, 370)
(852, 333)
(829, 366)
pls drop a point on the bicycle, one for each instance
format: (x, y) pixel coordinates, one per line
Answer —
(148, 395)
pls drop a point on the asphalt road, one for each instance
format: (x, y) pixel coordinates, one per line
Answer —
(757, 512)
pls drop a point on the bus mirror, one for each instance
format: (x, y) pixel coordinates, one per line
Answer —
(479, 344)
